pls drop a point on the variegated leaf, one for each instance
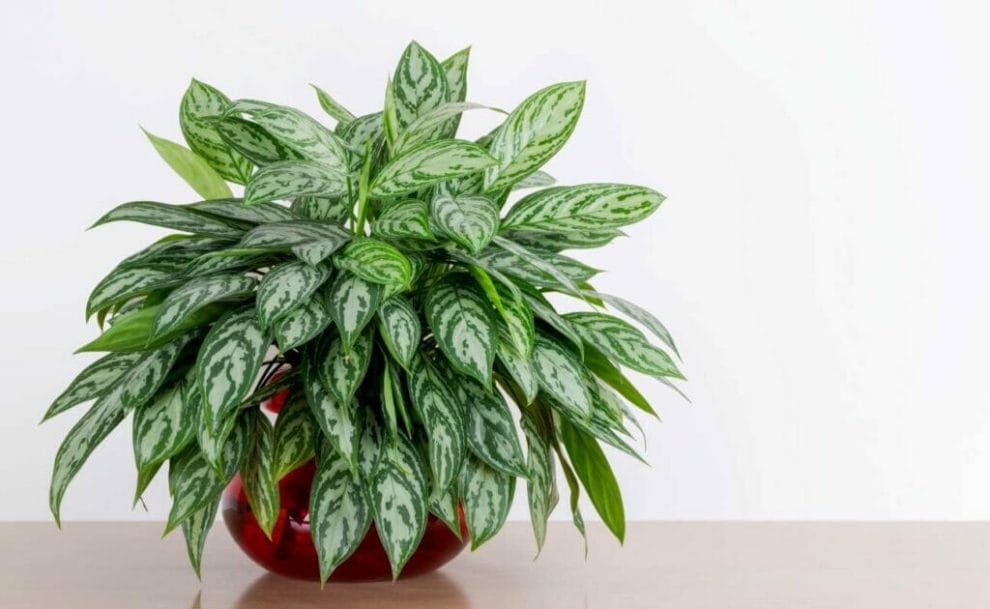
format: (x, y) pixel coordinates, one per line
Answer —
(94, 381)
(296, 433)
(491, 434)
(586, 207)
(132, 331)
(169, 216)
(419, 85)
(210, 264)
(123, 284)
(455, 68)
(195, 528)
(253, 141)
(463, 327)
(332, 210)
(560, 374)
(332, 107)
(201, 106)
(163, 427)
(550, 270)
(196, 294)
(446, 507)
(400, 328)
(429, 164)
(487, 495)
(287, 286)
(405, 220)
(258, 473)
(361, 133)
(541, 487)
(443, 417)
(343, 369)
(518, 318)
(228, 362)
(641, 316)
(310, 241)
(371, 447)
(148, 373)
(291, 179)
(173, 249)
(556, 242)
(533, 133)
(235, 209)
(302, 324)
(545, 312)
(79, 443)
(519, 370)
(428, 125)
(537, 179)
(191, 168)
(375, 261)
(337, 420)
(471, 221)
(623, 343)
(298, 131)
(353, 301)
(398, 493)
(339, 514)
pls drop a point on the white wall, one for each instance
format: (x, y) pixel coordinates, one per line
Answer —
(821, 258)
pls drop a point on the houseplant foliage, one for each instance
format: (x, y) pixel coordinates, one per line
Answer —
(378, 272)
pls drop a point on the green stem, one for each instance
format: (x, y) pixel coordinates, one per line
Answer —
(363, 190)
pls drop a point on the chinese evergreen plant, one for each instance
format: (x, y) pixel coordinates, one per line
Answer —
(377, 272)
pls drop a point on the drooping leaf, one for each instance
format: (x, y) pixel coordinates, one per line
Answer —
(353, 302)
(428, 164)
(339, 514)
(148, 373)
(519, 370)
(560, 374)
(548, 270)
(586, 207)
(343, 369)
(543, 310)
(195, 294)
(258, 474)
(122, 284)
(291, 179)
(200, 107)
(444, 419)
(336, 419)
(93, 382)
(287, 286)
(332, 107)
(296, 434)
(640, 315)
(463, 327)
(191, 168)
(310, 241)
(375, 261)
(419, 85)
(132, 332)
(596, 476)
(235, 209)
(624, 343)
(405, 220)
(491, 433)
(598, 363)
(193, 484)
(229, 360)
(487, 496)
(541, 486)
(446, 508)
(169, 216)
(455, 68)
(537, 179)
(400, 328)
(195, 529)
(172, 250)
(534, 132)
(398, 493)
(163, 427)
(471, 221)
(302, 323)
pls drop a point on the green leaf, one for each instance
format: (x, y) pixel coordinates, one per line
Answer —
(258, 474)
(310, 241)
(541, 486)
(353, 301)
(550, 270)
(537, 179)
(623, 343)
(291, 179)
(332, 107)
(191, 168)
(519, 370)
(586, 207)
(375, 261)
(544, 311)
(253, 141)
(534, 132)
(444, 420)
(487, 496)
(302, 324)
(195, 529)
(419, 85)
(287, 286)
(429, 164)
(162, 428)
(361, 133)
(446, 508)
(455, 68)
(330, 210)
(193, 483)
(491, 433)
(169, 216)
(93, 382)
(518, 318)
(554, 242)
(560, 374)
(470, 221)
(235, 209)
(339, 514)
(427, 126)
(641, 316)
(597, 363)
(298, 131)
(132, 332)
(201, 106)
(596, 476)
(82, 439)
(400, 328)
(222, 444)
(173, 250)
(148, 374)
(122, 284)
(228, 362)
(463, 327)
(296, 433)
(575, 492)
(405, 220)
(336, 419)
(196, 294)
(342, 369)
(398, 493)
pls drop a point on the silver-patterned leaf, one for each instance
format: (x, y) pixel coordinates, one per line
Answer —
(148, 373)
(541, 487)
(428, 125)
(298, 131)
(172, 249)
(361, 133)
(228, 362)
(487, 495)
(491, 433)
(446, 507)
(287, 286)
(518, 318)
(623, 343)
(190, 167)
(586, 207)
(169, 216)
(533, 133)
(419, 85)
(94, 381)
(123, 284)
(343, 369)
(462, 324)
(296, 433)
(398, 493)
(235, 209)
(310, 241)
(471, 221)
(560, 374)
(337, 420)
(195, 528)
(302, 324)
(253, 141)
(519, 370)
(291, 179)
(200, 107)
(163, 427)
(545, 311)
(400, 328)
(556, 242)
(641, 316)
(209, 264)
(353, 301)
(258, 473)
(339, 514)
(405, 220)
(455, 68)
(537, 179)
(332, 210)
(429, 164)
(444, 420)
(550, 270)
(332, 107)
(375, 261)
(193, 295)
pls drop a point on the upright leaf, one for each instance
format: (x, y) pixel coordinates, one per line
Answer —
(487, 496)
(455, 68)
(339, 514)
(287, 286)
(427, 126)
(463, 327)
(201, 106)
(353, 301)
(332, 107)
(229, 360)
(398, 493)
(253, 141)
(429, 164)
(419, 85)
(468, 220)
(191, 168)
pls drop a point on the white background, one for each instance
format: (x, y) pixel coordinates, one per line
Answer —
(821, 258)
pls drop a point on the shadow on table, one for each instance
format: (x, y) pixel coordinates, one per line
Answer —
(430, 590)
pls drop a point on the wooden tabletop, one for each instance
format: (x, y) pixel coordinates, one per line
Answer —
(663, 565)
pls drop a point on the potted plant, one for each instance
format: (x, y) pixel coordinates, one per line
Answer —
(386, 283)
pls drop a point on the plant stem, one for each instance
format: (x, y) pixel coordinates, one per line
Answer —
(363, 190)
